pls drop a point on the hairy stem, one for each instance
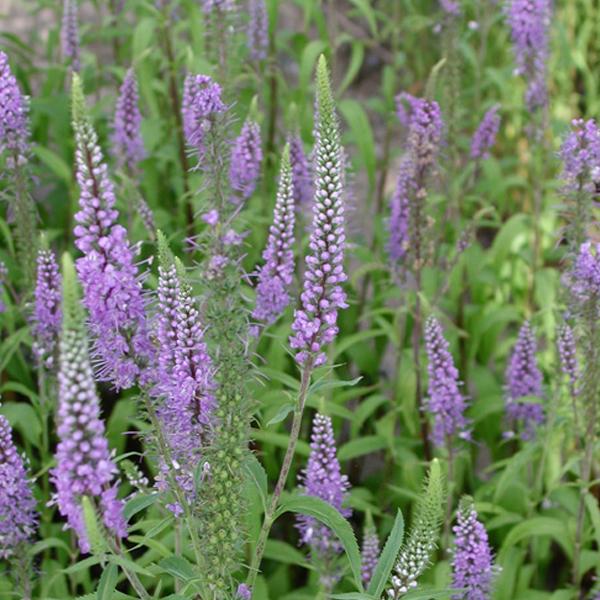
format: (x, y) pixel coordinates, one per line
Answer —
(283, 474)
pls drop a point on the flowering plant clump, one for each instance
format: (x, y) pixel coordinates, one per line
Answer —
(330, 328)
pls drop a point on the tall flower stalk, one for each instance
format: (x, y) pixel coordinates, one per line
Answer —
(69, 35)
(275, 276)
(584, 284)
(370, 551)
(415, 554)
(185, 380)
(523, 381)
(84, 464)
(221, 503)
(128, 146)
(409, 217)
(18, 514)
(315, 322)
(472, 564)
(47, 314)
(112, 290)
(445, 402)
(323, 479)
(15, 145)
(246, 158)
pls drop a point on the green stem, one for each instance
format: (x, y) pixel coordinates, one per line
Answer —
(283, 474)
(179, 495)
(449, 497)
(132, 577)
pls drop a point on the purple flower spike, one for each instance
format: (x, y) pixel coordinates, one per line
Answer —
(585, 277)
(446, 403)
(217, 5)
(201, 101)
(47, 317)
(523, 379)
(69, 34)
(580, 154)
(567, 353)
(127, 137)
(369, 554)
(275, 276)
(244, 592)
(14, 121)
(529, 22)
(398, 224)
(315, 323)
(185, 377)
(301, 177)
(258, 29)
(246, 158)
(450, 7)
(485, 136)
(109, 276)
(166, 322)
(323, 479)
(472, 564)
(84, 463)
(18, 515)
(425, 132)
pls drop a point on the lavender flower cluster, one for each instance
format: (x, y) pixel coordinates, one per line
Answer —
(315, 324)
(108, 272)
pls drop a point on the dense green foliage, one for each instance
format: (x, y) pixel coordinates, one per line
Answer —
(507, 210)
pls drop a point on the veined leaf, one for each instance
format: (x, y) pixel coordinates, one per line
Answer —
(388, 556)
(329, 516)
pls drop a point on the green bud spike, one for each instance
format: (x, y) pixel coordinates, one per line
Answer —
(72, 308)
(466, 504)
(181, 273)
(253, 114)
(92, 527)
(414, 556)
(43, 241)
(78, 108)
(165, 255)
(285, 160)
(325, 101)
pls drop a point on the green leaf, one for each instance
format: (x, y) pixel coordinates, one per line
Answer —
(307, 63)
(281, 414)
(367, 12)
(178, 567)
(592, 507)
(54, 162)
(331, 384)
(539, 526)
(129, 565)
(356, 61)
(137, 504)
(428, 595)
(386, 561)
(82, 565)
(285, 553)
(329, 516)
(256, 473)
(107, 583)
(361, 446)
(353, 596)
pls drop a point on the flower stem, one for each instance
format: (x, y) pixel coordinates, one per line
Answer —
(283, 474)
